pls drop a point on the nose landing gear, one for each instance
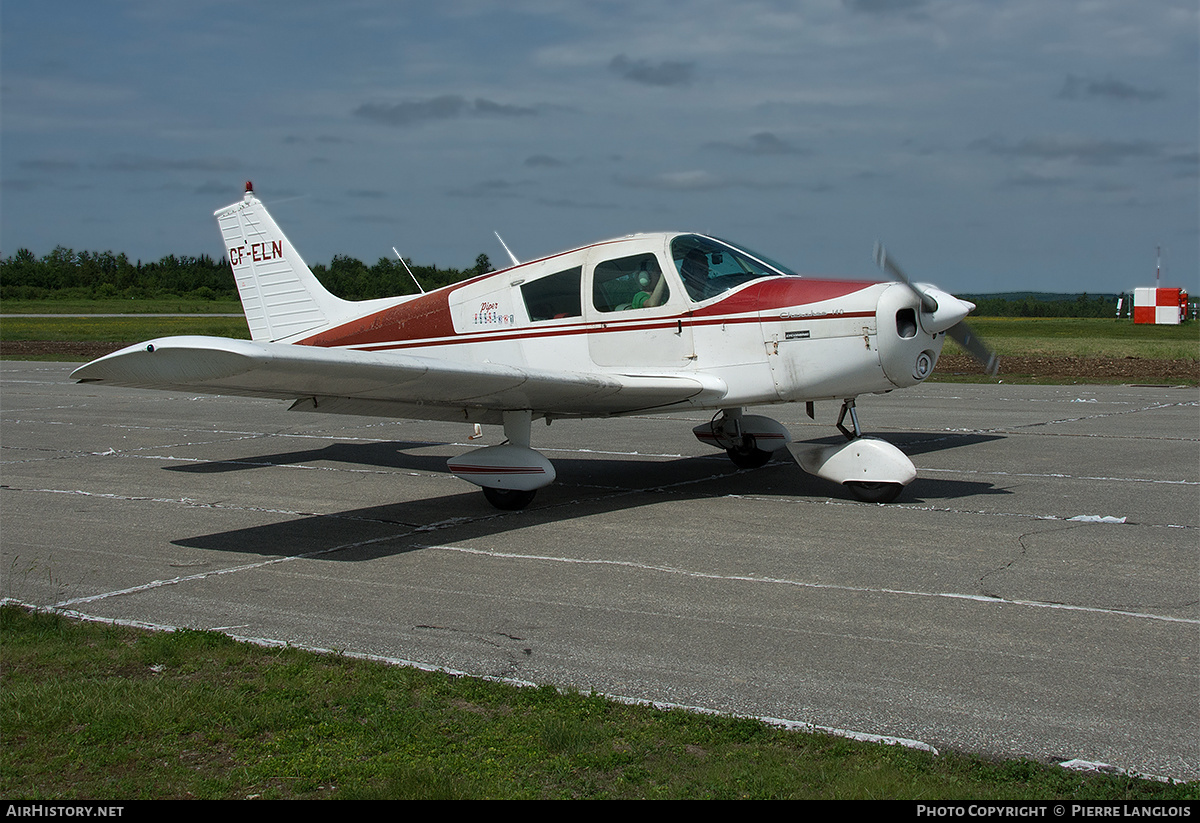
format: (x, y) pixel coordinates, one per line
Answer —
(873, 470)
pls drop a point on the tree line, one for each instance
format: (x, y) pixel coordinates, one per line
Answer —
(67, 274)
(1057, 305)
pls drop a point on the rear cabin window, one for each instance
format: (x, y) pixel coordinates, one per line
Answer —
(554, 296)
(629, 283)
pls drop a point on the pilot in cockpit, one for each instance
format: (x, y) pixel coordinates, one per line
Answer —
(653, 287)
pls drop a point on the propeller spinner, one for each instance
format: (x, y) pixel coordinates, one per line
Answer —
(941, 311)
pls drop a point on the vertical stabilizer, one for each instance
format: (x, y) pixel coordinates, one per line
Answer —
(280, 295)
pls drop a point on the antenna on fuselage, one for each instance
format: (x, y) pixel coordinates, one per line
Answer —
(407, 269)
(511, 256)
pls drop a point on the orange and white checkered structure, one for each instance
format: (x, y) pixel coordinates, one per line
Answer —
(1159, 306)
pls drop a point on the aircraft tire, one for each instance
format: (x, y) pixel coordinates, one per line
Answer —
(749, 456)
(874, 492)
(508, 499)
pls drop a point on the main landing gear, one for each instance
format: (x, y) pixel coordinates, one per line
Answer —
(750, 440)
(749, 455)
(508, 499)
(509, 474)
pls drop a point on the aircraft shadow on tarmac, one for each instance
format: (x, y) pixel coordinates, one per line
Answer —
(585, 487)
(383, 455)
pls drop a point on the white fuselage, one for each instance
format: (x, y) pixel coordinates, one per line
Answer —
(770, 338)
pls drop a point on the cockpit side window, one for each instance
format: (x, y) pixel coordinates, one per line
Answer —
(629, 283)
(710, 268)
(554, 296)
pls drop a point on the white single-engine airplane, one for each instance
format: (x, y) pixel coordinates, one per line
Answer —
(643, 324)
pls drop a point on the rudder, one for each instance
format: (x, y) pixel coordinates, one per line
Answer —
(280, 295)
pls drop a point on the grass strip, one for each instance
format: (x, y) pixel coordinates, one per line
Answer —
(141, 305)
(1085, 337)
(118, 329)
(98, 711)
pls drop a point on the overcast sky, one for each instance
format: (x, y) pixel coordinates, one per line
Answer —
(994, 145)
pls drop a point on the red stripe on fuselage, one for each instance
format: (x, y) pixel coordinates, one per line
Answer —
(525, 333)
(427, 321)
(417, 319)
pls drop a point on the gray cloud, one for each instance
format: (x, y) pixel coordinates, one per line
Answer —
(490, 189)
(543, 161)
(694, 180)
(215, 187)
(882, 6)
(1082, 88)
(16, 184)
(49, 165)
(385, 219)
(486, 108)
(1038, 181)
(139, 163)
(295, 140)
(575, 204)
(667, 73)
(759, 145)
(1077, 150)
(1186, 165)
(445, 107)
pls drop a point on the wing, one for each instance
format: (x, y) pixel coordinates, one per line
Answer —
(386, 384)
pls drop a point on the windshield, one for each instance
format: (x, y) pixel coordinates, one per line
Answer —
(711, 267)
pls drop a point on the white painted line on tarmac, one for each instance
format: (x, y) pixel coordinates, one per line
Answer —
(977, 598)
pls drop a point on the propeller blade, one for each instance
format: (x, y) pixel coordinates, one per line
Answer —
(960, 332)
(891, 267)
(965, 336)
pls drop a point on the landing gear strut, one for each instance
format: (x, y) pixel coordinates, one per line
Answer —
(848, 406)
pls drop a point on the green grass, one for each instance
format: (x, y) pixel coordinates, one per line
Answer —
(1085, 337)
(97, 711)
(118, 329)
(147, 305)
